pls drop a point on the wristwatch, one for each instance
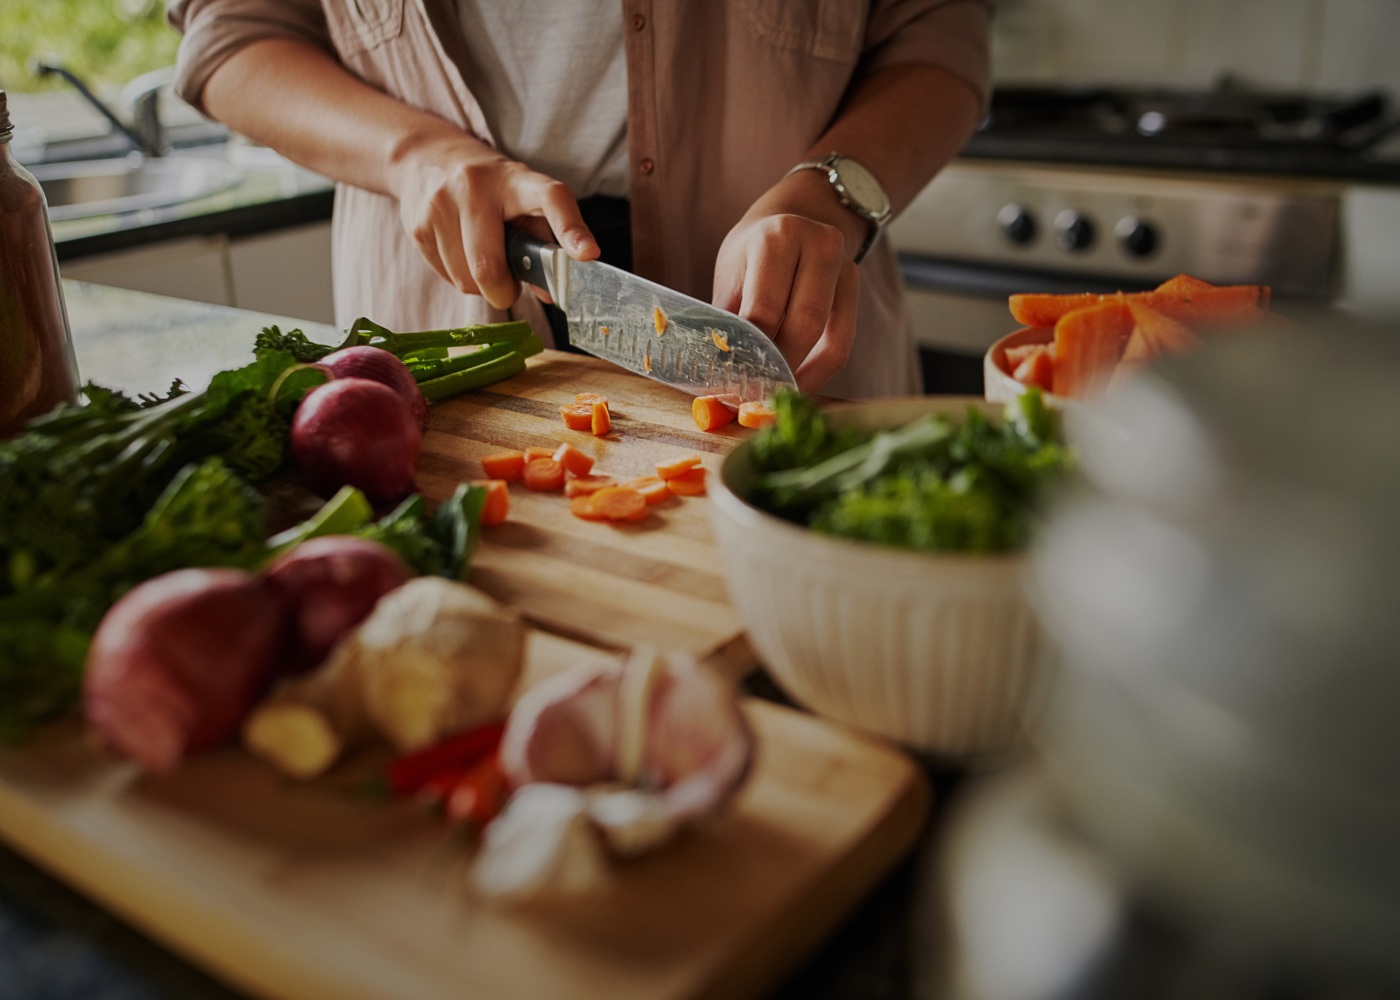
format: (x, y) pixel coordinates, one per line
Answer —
(857, 189)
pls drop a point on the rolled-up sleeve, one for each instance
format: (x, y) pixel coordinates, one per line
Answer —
(213, 30)
(954, 35)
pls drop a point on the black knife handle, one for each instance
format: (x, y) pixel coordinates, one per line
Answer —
(524, 254)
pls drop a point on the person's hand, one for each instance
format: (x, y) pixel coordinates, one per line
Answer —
(456, 195)
(787, 268)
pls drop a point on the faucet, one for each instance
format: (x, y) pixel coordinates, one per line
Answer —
(148, 136)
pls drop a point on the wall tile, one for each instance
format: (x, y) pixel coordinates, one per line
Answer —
(1359, 41)
(1259, 42)
(1122, 41)
(1026, 42)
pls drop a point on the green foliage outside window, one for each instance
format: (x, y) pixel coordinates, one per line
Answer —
(105, 42)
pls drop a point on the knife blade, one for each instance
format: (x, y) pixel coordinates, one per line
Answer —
(648, 328)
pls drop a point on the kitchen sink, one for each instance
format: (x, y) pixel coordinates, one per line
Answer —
(79, 189)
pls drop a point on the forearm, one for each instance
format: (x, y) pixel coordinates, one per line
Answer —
(904, 124)
(298, 100)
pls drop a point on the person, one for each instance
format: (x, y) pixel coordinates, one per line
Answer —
(443, 120)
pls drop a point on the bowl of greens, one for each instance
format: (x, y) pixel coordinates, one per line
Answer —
(877, 550)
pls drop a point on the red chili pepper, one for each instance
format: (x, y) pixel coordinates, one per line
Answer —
(440, 764)
(479, 794)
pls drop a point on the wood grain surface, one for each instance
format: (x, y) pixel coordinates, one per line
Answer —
(290, 890)
(308, 891)
(612, 585)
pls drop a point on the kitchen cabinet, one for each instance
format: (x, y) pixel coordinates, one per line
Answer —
(286, 272)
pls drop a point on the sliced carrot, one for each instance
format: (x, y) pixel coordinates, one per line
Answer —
(1037, 369)
(583, 485)
(677, 466)
(602, 419)
(582, 506)
(497, 507)
(1162, 333)
(755, 414)
(652, 488)
(575, 462)
(659, 320)
(536, 451)
(1046, 310)
(618, 503)
(1015, 355)
(1184, 298)
(589, 398)
(577, 416)
(689, 484)
(713, 412)
(721, 341)
(1201, 304)
(506, 465)
(544, 475)
(1088, 343)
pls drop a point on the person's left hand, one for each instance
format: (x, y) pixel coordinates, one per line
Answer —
(787, 268)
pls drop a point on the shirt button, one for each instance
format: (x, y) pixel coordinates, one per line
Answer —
(647, 167)
(639, 22)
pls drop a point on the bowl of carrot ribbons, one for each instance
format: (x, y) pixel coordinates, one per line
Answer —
(876, 552)
(1077, 346)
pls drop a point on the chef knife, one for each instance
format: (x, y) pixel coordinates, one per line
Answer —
(648, 328)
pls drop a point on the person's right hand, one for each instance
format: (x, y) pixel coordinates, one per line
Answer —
(456, 195)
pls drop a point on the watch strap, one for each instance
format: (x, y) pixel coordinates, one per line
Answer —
(876, 222)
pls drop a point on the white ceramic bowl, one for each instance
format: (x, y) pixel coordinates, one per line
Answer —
(997, 384)
(937, 652)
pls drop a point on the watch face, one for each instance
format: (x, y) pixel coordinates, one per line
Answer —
(862, 187)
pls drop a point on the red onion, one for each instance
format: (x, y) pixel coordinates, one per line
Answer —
(178, 661)
(378, 365)
(330, 584)
(355, 432)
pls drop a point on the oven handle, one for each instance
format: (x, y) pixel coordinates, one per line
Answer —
(928, 274)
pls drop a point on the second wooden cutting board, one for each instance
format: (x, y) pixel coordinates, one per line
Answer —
(658, 581)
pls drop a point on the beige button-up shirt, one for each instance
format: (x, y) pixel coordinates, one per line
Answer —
(724, 96)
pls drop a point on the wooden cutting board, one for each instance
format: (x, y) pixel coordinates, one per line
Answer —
(310, 891)
(658, 581)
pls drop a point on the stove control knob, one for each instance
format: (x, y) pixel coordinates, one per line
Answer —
(1018, 223)
(1074, 231)
(1137, 236)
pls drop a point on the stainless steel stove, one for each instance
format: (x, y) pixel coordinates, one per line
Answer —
(1098, 189)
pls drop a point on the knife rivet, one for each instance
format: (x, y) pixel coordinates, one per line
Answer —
(526, 264)
(647, 166)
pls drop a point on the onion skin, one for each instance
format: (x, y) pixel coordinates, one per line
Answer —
(177, 663)
(330, 584)
(378, 365)
(355, 432)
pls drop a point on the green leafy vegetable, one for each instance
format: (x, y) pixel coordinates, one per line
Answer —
(934, 484)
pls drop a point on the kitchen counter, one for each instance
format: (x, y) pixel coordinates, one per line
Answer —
(56, 945)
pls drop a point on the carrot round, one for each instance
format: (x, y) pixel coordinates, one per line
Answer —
(577, 416)
(506, 465)
(689, 484)
(753, 414)
(544, 475)
(652, 488)
(497, 507)
(713, 412)
(582, 506)
(589, 398)
(536, 451)
(677, 466)
(575, 462)
(601, 419)
(618, 503)
(583, 485)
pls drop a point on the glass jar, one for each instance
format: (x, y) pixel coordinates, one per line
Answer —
(38, 370)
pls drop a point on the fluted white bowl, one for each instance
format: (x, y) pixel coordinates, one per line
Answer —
(938, 652)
